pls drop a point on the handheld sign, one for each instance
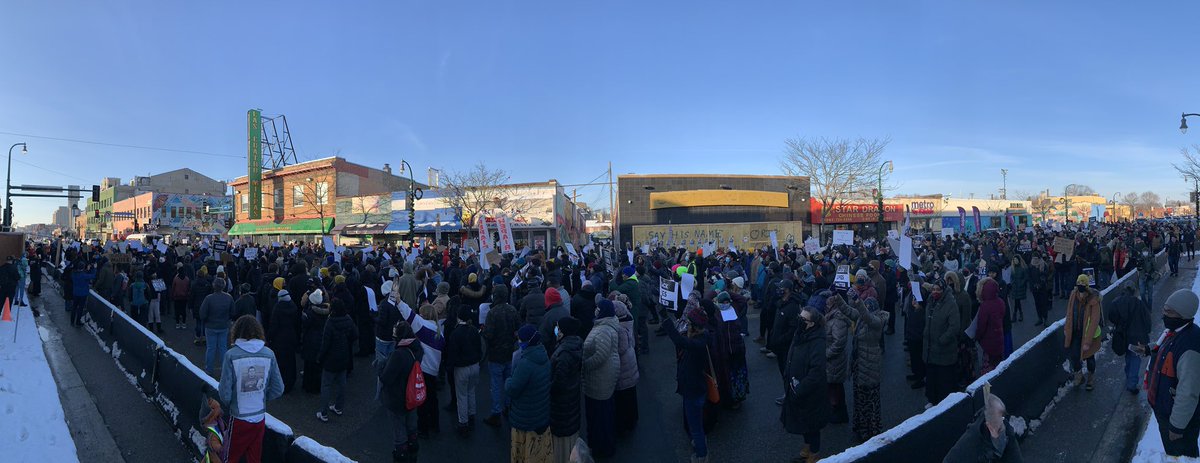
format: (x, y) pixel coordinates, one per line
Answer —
(845, 237)
(667, 295)
(842, 278)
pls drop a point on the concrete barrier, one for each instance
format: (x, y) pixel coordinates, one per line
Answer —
(175, 385)
(1028, 380)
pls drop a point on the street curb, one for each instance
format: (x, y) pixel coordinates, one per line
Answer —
(1123, 431)
(87, 426)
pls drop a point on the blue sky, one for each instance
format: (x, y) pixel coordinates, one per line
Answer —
(1056, 92)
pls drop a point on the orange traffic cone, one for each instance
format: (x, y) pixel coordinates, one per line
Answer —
(7, 317)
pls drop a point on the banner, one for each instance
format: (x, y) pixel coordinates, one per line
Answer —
(1012, 222)
(962, 221)
(485, 238)
(507, 245)
(978, 222)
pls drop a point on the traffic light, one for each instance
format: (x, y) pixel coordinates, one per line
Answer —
(95, 193)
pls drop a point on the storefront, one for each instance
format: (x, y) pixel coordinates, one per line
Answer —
(993, 214)
(265, 232)
(862, 218)
(924, 213)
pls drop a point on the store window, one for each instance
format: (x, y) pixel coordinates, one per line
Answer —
(298, 196)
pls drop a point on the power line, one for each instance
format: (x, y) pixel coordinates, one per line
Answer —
(121, 145)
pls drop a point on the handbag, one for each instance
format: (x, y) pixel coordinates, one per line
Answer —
(710, 379)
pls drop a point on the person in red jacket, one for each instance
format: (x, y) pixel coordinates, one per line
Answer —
(989, 324)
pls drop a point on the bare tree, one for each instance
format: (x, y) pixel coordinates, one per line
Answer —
(1149, 200)
(837, 169)
(316, 196)
(1021, 195)
(1076, 189)
(1175, 203)
(480, 191)
(1130, 200)
(1042, 205)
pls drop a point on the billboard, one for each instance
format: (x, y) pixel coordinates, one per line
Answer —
(254, 162)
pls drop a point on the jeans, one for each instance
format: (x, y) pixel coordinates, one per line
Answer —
(199, 324)
(693, 413)
(1133, 370)
(333, 390)
(383, 350)
(1146, 286)
(498, 373)
(19, 299)
(214, 354)
(467, 381)
(404, 424)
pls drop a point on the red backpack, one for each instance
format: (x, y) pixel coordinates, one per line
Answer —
(414, 396)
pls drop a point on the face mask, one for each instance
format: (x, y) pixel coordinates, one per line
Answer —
(557, 334)
(1080, 288)
(1173, 323)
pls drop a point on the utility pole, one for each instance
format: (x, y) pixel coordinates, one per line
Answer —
(1004, 184)
(612, 213)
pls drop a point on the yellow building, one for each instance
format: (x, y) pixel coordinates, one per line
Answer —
(1078, 208)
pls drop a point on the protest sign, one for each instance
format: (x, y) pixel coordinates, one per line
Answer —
(507, 245)
(162, 248)
(220, 245)
(845, 237)
(183, 250)
(812, 246)
(947, 232)
(666, 294)
(904, 252)
(328, 242)
(159, 284)
(251, 253)
(842, 278)
(1091, 273)
(893, 234)
(1064, 246)
(774, 240)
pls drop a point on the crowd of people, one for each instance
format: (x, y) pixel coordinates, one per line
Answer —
(559, 332)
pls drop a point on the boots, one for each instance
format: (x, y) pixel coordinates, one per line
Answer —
(1091, 381)
(400, 456)
(1078, 378)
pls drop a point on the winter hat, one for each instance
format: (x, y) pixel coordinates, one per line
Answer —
(443, 288)
(220, 269)
(605, 309)
(1085, 280)
(527, 333)
(472, 278)
(628, 271)
(324, 272)
(278, 282)
(284, 295)
(785, 284)
(890, 263)
(723, 298)
(861, 276)
(739, 282)
(337, 280)
(499, 294)
(316, 297)
(465, 316)
(339, 307)
(245, 287)
(1185, 302)
(697, 317)
(552, 297)
(569, 326)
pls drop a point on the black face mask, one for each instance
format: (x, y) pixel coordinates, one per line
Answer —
(1080, 288)
(1173, 323)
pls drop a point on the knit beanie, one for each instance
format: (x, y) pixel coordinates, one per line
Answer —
(1185, 302)
(569, 326)
(605, 309)
(284, 295)
(552, 297)
(316, 297)
(527, 333)
(628, 271)
(278, 282)
(697, 317)
(337, 280)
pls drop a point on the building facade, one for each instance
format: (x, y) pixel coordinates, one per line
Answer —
(299, 202)
(713, 207)
(172, 215)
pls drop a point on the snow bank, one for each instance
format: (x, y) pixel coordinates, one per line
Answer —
(1150, 447)
(326, 454)
(32, 426)
(866, 448)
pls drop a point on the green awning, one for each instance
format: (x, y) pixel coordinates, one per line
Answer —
(286, 227)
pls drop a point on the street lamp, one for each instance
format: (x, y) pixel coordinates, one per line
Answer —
(1114, 201)
(888, 165)
(1183, 122)
(8, 186)
(412, 200)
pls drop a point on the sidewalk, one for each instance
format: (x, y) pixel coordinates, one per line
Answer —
(1101, 425)
(32, 427)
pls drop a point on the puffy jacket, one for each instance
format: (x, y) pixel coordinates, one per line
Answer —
(868, 354)
(806, 406)
(245, 305)
(339, 334)
(628, 376)
(786, 321)
(940, 339)
(395, 375)
(532, 307)
(693, 362)
(80, 281)
(566, 381)
(1130, 316)
(499, 330)
(201, 288)
(180, 287)
(989, 325)
(629, 287)
(583, 308)
(837, 337)
(312, 331)
(217, 311)
(529, 390)
(283, 334)
(601, 359)
(549, 321)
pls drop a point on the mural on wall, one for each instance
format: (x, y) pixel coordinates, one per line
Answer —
(365, 209)
(429, 213)
(185, 213)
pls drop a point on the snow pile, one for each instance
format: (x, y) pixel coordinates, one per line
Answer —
(323, 453)
(32, 426)
(1150, 448)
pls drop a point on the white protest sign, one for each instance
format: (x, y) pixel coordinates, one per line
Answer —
(774, 240)
(162, 248)
(666, 294)
(916, 291)
(251, 253)
(845, 237)
(842, 277)
(276, 244)
(629, 254)
(507, 245)
(687, 283)
(484, 308)
(812, 245)
(893, 234)
(328, 242)
(571, 249)
(904, 252)
(485, 238)
(371, 303)
(947, 232)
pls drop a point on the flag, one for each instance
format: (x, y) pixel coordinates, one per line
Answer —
(1012, 224)
(978, 222)
(962, 220)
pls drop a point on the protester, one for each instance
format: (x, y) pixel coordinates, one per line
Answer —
(334, 356)
(1173, 382)
(837, 338)
(464, 351)
(1082, 330)
(216, 311)
(990, 438)
(806, 408)
(249, 379)
(283, 336)
(529, 389)
(625, 397)
(566, 388)
(989, 328)
(499, 330)
(690, 374)
(940, 343)
(397, 377)
(315, 315)
(867, 367)
(1130, 319)
(601, 370)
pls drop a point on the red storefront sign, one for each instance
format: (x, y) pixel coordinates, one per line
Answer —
(855, 212)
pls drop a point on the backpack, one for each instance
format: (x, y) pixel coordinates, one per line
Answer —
(414, 394)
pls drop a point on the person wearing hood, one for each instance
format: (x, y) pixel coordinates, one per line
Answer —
(532, 307)
(838, 319)
(867, 368)
(786, 307)
(315, 315)
(989, 438)
(395, 375)
(967, 350)
(566, 387)
(625, 396)
(583, 307)
(1081, 330)
(989, 324)
(554, 312)
(1130, 319)
(216, 311)
(440, 304)
(335, 358)
(729, 357)
(806, 404)
(601, 369)
(246, 303)
(690, 382)
(499, 330)
(529, 389)
(940, 342)
(408, 286)
(471, 295)
(283, 335)
(629, 286)
(249, 379)
(464, 351)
